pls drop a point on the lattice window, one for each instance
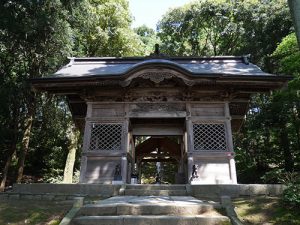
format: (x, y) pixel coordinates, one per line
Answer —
(209, 137)
(105, 137)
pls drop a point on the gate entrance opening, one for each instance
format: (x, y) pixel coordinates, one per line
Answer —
(159, 150)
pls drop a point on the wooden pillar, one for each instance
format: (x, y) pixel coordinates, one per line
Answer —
(230, 144)
(190, 167)
(124, 166)
(139, 168)
(232, 169)
(86, 140)
(83, 165)
(125, 145)
(190, 142)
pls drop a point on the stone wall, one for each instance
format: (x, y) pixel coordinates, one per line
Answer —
(238, 190)
(68, 191)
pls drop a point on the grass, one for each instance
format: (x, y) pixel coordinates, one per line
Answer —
(265, 211)
(19, 212)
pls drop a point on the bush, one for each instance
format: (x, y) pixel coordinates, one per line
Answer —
(273, 176)
(291, 195)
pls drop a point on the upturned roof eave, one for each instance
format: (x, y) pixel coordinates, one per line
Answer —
(194, 76)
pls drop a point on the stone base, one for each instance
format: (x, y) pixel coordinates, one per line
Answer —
(233, 190)
(117, 182)
(211, 182)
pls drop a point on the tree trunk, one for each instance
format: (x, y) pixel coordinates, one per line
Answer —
(287, 154)
(7, 165)
(11, 151)
(26, 138)
(69, 166)
(295, 13)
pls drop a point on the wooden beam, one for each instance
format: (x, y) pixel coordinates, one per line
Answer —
(159, 160)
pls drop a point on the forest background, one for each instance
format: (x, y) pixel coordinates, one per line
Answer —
(38, 140)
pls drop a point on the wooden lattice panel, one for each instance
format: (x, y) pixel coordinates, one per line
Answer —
(105, 137)
(209, 137)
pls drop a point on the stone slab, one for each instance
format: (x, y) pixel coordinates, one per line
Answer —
(67, 189)
(258, 189)
(98, 220)
(151, 220)
(14, 197)
(60, 198)
(3, 196)
(275, 189)
(155, 187)
(148, 205)
(178, 220)
(140, 192)
(48, 197)
(232, 190)
(94, 210)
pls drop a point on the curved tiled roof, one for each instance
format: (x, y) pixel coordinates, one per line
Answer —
(195, 66)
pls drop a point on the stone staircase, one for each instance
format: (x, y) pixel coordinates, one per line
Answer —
(151, 205)
(155, 190)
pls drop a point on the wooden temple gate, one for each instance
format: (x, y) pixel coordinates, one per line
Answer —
(199, 100)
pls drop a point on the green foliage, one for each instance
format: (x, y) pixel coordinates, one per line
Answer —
(54, 176)
(269, 142)
(279, 175)
(102, 28)
(287, 55)
(264, 209)
(210, 27)
(273, 176)
(148, 37)
(291, 195)
(32, 212)
(169, 170)
(36, 37)
(76, 176)
(148, 172)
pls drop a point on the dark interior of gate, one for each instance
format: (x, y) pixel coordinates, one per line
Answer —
(159, 150)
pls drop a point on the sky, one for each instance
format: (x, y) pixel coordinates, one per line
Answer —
(149, 12)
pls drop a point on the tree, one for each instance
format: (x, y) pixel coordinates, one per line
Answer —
(207, 28)
(73, 137)
(39, 36)
(102, 28)
(149, 38)
(269, 143)
(36, 35)
(200, 28)
(295, 9)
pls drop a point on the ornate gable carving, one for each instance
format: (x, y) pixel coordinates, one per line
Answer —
(157, 76)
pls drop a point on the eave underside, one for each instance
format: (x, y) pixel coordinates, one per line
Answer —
(160, 86)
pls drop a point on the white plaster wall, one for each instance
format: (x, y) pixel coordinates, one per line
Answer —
(212, 172)
(101, 170)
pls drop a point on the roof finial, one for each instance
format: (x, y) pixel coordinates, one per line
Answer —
(156, 54)
(246, 59)
(156, 51)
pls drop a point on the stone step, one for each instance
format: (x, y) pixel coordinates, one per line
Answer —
(145, 209)
(155, 187)
(143, 192)
(151, 220)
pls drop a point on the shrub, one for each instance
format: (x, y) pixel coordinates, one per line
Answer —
(291, 195)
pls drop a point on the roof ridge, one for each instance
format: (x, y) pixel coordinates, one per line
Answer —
(244, 58)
